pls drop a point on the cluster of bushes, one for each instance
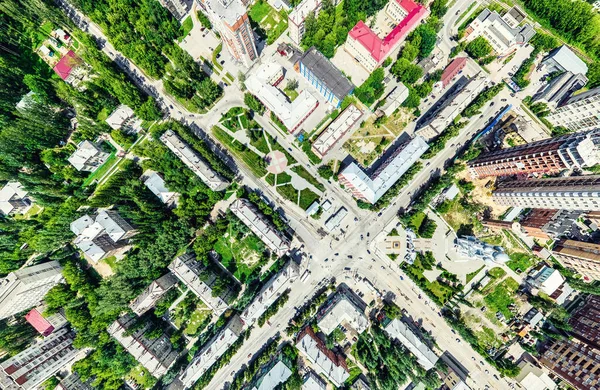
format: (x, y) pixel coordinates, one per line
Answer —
(372, 88)
(439, 143)
(306, 312)
(485, 96)
(480, 49)
(248, 372)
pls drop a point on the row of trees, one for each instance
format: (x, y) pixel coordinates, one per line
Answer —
(439, 143)
(481, 99)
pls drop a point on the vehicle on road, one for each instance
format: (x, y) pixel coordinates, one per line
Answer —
(457, 340)
(401, 277)
(368, 251)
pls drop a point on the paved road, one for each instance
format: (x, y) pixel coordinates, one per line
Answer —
(370, 225)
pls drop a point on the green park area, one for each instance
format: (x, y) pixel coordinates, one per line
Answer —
(272, 23)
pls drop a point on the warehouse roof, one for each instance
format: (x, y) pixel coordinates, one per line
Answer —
(328, 73)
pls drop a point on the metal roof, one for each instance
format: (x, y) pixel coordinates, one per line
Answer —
(328, 73)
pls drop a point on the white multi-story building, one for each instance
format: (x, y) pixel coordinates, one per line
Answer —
(398, 330)
(101, 236)
(570, 193)
(270, 292)
(532, 377)
(26, 288)
(156, 184)
(297, 18)
(579, 113)
(88, 157)
(124, 118)
(157, 355)
(155, 291)
(291, 114)
(210, 353)
(278, 373)
(562, 59)
(342, 309)
(45, 324)
(393, 101)
(453, 106)
(191, 159)
(336, 130)
(256, 221)
(31, 367)
(230, 19)
(371, 188)
(189, 271)
(322, 359)
(178, 8)
(13, 199)
(497, 30)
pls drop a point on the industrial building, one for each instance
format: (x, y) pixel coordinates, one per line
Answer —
(157, 355)
(580, 112)
(276, 241)
(551, 155)
(325, 77)
(368, 49)
(371, 188)
(570, 193)
(25, 288)
(88, 157)
(291, 114)
(193, 161)
(336, 130)
(497, 30)
(562, 59)
(230, 19)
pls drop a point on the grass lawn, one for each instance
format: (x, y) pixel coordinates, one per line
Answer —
(440, 290)
(112, 262)
(306, 147)
(417, 220)
(487, 337)
(303, 173)
(520, 261)
(186, 27)
(291, 93)
(496, 272)
(103, 114)
(33, 210)
(215, 61)
(142, 377)
(471, 275)
(307, 197)
(197, 318)
(501, 297)
(240, 256)
(252, 160)
(271, 22)
(288, 192)
(283, 178)
(102, 169)
(496, 239)
(259, 11)
(261, 144)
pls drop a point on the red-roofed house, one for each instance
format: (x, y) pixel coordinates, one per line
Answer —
(71, 68)
(452, 70)
(45, 325)
(369, 49)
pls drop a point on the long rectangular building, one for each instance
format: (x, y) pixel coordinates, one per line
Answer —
(270, 292)
(453, 106)
(256, 221)
(574, 362)
(399, 331)
(323, 360)
(210, 353)
(583, 257)
(336, 130)
(580, 112)
(155, 291)
(191, 159)
(189, 271)
(551, 155)
(157, 355)
(371, 188)
(571, 193)
(31, 367)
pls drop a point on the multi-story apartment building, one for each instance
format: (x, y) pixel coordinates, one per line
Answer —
(325, 77)
(336, 130)
(550, 155)
(453, 106)
(452, 70)
(368, 49)
(344, 308)
(262, 84)
(26, 288)
(193, 161)
(230, 19)
(157, 355)
(560, 89)
(497, 30)
(583, 257)
(45, 324)
(323, 359)
(199, 280)
(574, 362)
(398, 330)
(585, 321)
(88, 157)
(31, 367)
(371, 188)
(155, 291)
(570, 193)
(102, 236)
(278, 243)
(580, 112)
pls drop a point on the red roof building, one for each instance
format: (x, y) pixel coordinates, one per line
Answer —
(452, 70)
(45, 325)
(67, 63)
(379, 49)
